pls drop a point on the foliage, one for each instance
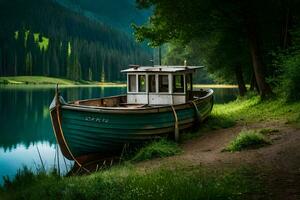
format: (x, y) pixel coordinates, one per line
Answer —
(289, 82)
(233, 38)
(157, 149)
(247, 139)
(126, 182)
(42, 38)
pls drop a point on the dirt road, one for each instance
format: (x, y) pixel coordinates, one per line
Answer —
(278, 164)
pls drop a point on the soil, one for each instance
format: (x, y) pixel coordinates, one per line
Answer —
(277, 164)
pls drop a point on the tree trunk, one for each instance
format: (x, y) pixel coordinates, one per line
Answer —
(258, 67)
(253, 83)
(240, 80)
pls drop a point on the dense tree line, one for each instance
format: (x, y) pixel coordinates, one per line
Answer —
(43, 38)
(246, 41)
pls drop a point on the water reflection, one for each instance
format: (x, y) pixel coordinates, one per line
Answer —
(26, 124)
(225, 95)
(13, 160)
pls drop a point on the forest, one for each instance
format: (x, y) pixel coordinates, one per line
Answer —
(244, 42)
(41, 37)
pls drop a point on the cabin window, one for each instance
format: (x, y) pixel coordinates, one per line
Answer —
(132, 83)
(151, 83)
(163, 83)
(178, 83)
(142, 83)
(189, 82)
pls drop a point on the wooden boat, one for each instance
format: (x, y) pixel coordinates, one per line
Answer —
(160, 102)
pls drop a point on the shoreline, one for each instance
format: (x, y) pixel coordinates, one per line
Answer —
(49, 82)
(202, 159)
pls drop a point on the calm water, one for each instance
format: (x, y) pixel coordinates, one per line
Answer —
(26, 127)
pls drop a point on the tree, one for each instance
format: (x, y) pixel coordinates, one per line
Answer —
(202, 19)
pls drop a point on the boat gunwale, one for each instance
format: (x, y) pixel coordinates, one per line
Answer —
(120, 110)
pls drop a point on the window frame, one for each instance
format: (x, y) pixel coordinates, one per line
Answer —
(138, 83)
(156, 83)
(158, 80)
(129, 83)
(174, 84)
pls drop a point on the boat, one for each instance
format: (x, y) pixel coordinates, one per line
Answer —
(160, 102)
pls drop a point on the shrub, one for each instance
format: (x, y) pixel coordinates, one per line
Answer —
(157, 149)
(247, 140)
(290, 86)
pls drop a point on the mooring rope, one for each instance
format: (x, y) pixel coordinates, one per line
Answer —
(198, 115)
(176, 131)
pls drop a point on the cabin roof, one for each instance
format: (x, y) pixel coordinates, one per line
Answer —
(161, 69)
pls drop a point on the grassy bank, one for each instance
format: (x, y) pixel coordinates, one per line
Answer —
(42, 80)
(252, 109)
(35, 80)
(127, 182)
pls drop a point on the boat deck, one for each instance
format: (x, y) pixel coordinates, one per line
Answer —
(121, 101)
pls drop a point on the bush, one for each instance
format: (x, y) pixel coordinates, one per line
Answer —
(290, 86)
(247, 140)
(157, 149)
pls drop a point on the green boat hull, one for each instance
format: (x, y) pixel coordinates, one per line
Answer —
(83, 130)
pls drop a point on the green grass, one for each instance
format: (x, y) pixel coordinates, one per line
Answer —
(268, 131)
(253, 109)
(247, 139)
(127, 182)
(35, 80)
(250, 109)
(157, 149)
(43, 80)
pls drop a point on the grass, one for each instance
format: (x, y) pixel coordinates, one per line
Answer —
(268, 131)
(252, 109)
(127, 182)
(255, 110)
(157, 149)
(214, 86)
(35, 80)
(43, 80)
(247, 139)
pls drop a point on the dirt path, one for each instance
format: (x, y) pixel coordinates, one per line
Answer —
(278, 163)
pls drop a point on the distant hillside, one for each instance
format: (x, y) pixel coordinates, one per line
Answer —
(116, 13)
(41, 37)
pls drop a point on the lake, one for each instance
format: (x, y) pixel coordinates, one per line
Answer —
(26, 129)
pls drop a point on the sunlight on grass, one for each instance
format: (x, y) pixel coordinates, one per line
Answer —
(157, 149)
(123, 182)
(255, 110)
(34, 80)
(247, 139)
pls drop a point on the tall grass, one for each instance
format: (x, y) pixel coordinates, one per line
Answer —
(157, 149)
(129, 183)
(247, 139)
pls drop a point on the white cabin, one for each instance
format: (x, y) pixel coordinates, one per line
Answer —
(159, 85)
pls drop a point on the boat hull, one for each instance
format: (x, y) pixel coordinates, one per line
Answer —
(83, 130)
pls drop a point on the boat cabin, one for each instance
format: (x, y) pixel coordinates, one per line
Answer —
(159, 85)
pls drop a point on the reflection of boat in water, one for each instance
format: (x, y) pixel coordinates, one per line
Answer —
(160, 102)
